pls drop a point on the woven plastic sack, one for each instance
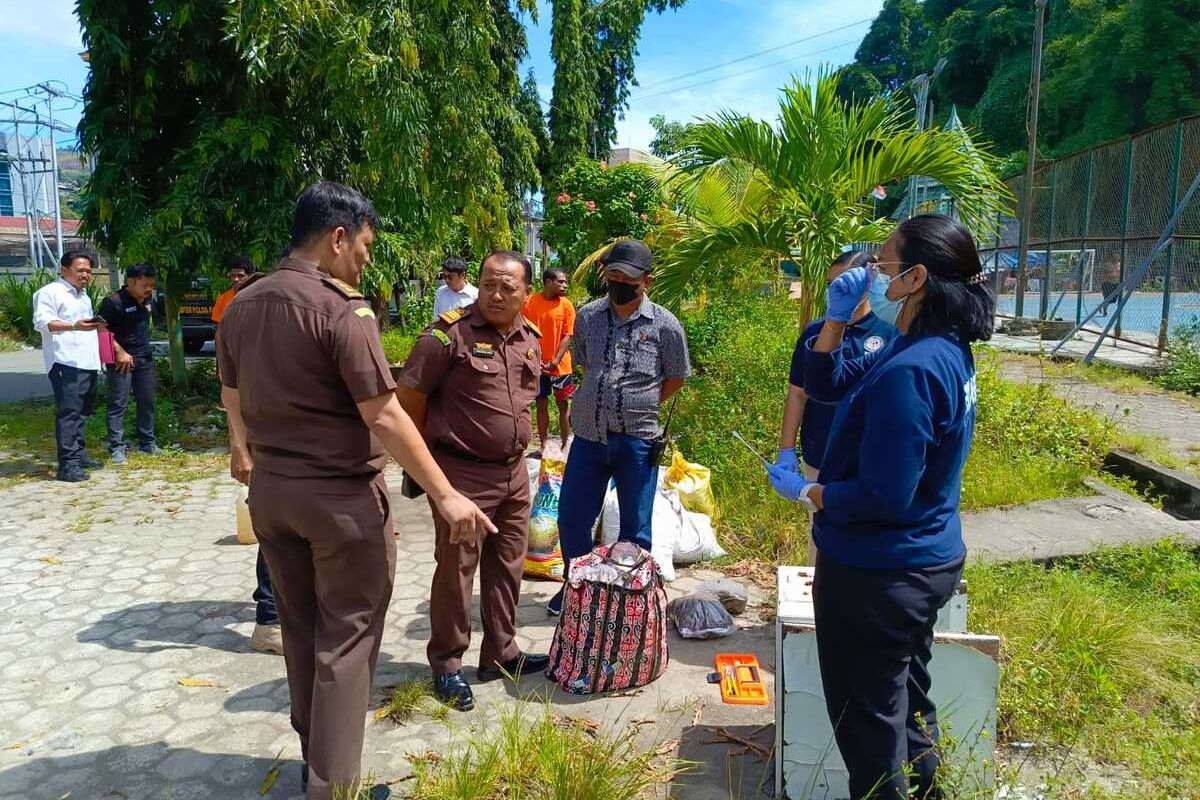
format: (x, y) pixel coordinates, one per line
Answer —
(694, 484)
(544, 557)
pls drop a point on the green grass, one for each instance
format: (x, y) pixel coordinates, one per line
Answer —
(409, 698)
(532, 753)
(1101, 657)
(397, 344)
(190, 428)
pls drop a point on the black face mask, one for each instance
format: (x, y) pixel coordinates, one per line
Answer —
(622, 293)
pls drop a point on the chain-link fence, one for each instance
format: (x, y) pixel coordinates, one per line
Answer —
(1096, 216)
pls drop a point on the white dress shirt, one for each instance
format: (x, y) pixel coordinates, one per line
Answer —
(446, 298)
(63, 302)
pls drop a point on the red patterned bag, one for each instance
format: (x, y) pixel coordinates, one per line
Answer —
(612, 633)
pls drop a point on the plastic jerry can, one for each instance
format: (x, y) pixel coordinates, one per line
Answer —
(245, 529)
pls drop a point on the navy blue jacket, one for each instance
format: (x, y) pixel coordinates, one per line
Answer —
(900, 438)
(865, 336)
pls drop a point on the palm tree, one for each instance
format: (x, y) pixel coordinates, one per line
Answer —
(753, 193)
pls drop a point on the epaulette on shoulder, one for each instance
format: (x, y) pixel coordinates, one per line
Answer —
(341, 287)
(452, 316)
(247, 281)
(536, 330)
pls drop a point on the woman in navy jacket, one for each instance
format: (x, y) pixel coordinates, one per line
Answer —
(886, 519)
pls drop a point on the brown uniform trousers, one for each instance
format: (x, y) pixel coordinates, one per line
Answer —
(502, 493)
(315, 533)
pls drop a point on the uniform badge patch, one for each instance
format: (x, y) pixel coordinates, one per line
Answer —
(452, 316)
(440, 336)
(364, 312)
(530, 353)
(873, 343)
(483, 350)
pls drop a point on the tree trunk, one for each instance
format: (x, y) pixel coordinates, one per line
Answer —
(383, 315)
(175, 289)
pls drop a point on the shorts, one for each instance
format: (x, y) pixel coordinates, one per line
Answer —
(563, 387)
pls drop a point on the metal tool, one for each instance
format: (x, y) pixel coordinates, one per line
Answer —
(757, 455)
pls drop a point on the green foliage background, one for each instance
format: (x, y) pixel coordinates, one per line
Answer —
(1111, 67)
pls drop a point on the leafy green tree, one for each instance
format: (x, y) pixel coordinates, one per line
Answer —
(756, 193)
(206, 118)
(668, 136)
(893, 44)
(858, 82)
(529, 104)
(593, 44)
(596, 204)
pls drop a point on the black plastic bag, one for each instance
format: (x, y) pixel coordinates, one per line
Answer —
(700, 616)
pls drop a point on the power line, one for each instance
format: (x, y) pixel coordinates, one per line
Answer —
(755, 55)
(737, 74)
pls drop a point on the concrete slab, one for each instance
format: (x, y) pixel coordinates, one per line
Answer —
(23, 376)
(1068, 527)
(1137, 357)
(104, 616)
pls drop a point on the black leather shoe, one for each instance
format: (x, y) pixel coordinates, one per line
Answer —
(523, 664)
(91, 463)
(72, 476)
(453, 690)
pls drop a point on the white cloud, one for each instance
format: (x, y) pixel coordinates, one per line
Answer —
(49, 22)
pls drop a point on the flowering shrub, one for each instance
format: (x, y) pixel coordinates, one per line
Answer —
(595, 204)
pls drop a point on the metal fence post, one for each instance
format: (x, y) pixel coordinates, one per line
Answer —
(1049, 243)
(1165, 324)
(1087, 226)
(1125, 224)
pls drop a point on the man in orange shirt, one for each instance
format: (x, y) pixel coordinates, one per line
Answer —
(554, 315)
(239, 268)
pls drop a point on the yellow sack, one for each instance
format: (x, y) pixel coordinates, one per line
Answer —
(694, 484)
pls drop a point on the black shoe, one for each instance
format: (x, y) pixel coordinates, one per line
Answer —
(523, 664)
(73, 476)
(453, 690)
(90, 463)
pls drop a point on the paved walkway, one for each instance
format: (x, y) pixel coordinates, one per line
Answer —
(1159, 415)
(116, 594)
(23, 376)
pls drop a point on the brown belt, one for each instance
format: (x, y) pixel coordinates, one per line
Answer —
(454, 451)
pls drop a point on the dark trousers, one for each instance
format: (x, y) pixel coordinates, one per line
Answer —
(874, 640)
(502, 493)
(141, 380)
(74, 399)
(264, 596)
(329, 546)
(626, 461)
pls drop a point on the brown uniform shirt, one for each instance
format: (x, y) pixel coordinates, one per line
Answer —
(479, 382)
(302, 349)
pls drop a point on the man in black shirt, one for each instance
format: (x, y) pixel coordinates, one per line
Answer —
(127, 313)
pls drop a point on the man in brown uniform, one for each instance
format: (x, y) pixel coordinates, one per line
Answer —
(312, 408)
(468, 385)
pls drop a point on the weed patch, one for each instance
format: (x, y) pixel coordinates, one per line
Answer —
(530, 752)
(1102, 657)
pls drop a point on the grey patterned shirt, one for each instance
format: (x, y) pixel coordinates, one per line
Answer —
(625, 363)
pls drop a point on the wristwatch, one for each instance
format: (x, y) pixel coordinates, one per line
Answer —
(807, 501)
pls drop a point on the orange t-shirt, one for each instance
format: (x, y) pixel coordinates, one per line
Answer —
(555, 319)
(222, 301)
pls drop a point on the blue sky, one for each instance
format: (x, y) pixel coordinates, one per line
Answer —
(39, 40)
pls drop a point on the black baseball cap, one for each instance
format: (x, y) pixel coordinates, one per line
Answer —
(629, 257)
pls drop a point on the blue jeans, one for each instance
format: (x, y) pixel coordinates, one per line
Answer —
(626, 460)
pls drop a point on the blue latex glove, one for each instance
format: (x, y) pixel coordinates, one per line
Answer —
(787, 459)
(846, 292)
(787, 484)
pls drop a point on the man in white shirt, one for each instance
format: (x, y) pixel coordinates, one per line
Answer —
(456, 292)
(62, 312)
